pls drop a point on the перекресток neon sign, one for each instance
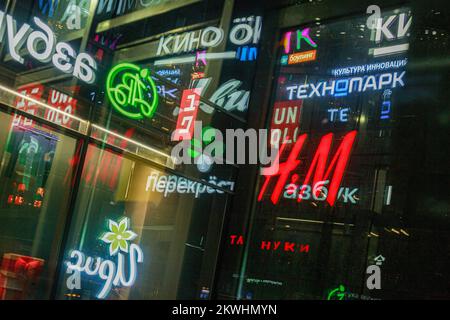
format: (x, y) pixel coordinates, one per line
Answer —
(343, 87)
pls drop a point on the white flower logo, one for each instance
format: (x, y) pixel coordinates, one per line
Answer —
(118, 236)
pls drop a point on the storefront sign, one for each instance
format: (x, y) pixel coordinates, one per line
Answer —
(112, 273)
(229, 95)
(188, 113)
(318, 192)
(385, 112)
(299, 57)
(272, 245)
(41, 45)
(366, 68)
(285, 122)
(174, 184)
(343, 87)
(317, 172)
(300, 35)
(245, 31)
(132, 91)
(385, 30)
(35, 92)
(338, 114)
(62, 102)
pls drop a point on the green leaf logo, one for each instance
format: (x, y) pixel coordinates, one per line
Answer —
(118, 236)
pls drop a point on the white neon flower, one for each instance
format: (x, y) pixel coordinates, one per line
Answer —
(118, 236)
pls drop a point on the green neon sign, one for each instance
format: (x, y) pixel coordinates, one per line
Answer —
(337, 294)
(132, 91)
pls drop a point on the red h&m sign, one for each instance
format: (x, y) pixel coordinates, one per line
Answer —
(32, 91)
(318, 171)
(188, 113)
(285, 122)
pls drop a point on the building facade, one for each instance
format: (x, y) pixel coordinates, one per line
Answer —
(97, 96)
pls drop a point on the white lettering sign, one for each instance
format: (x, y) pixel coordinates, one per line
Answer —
(42, 46)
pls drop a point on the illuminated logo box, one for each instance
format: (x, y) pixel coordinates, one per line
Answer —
(300, 57)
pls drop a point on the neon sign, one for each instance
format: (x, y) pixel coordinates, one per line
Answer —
(343, 87)
(188, 113)
(112, 273)
(245, 31)
(60, 54)
(338, 114)
(34, 92)
(285, 122)
(174, 184)
(128, 88)
(63, 102)
(299, 57)
(337, 293)
(317, 171)
(386, 105)
(361, 69)
(301, 35)
(381, 27)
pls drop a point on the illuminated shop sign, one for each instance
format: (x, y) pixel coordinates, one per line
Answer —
(366, 68)
(41, 45)
(58, 100)
(286, 246)
(32, 91)
(318, 192)
(247, 31)
(338, 114)
(111, 272)
(244, 33)
(299, 57)
(298, 37)
(385, 112)
(188, 113)
(393, 28)
(174, 184)
(132, 91)
(285, 122)
(313, 186)
(343, 87)
(63, 102)
(292, 41)
(229, 95)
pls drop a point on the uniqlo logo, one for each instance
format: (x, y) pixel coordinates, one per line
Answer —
(285, 122)
(62, 102)
(21, 103)
(188, 113)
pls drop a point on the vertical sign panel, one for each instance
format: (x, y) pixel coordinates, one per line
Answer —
(188, 113)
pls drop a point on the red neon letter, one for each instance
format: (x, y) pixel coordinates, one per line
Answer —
(284, 170)
(339, 163)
